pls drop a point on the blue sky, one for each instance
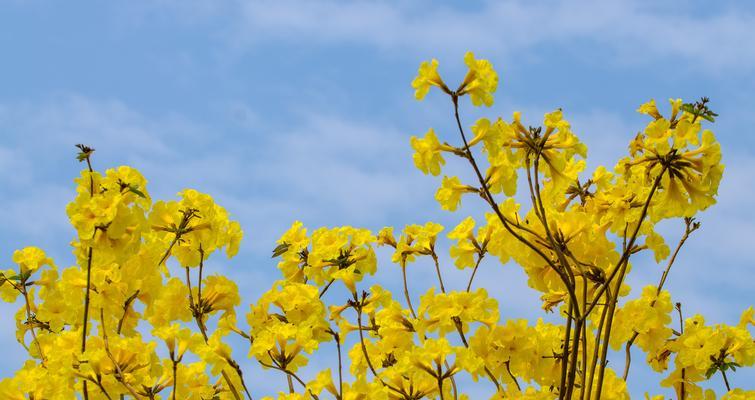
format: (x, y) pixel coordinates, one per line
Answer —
(301, 110)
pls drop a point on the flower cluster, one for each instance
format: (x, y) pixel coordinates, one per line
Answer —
(143, 314)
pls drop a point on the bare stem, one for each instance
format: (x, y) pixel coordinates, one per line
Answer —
(565, 353)
(508, 369)
(340, 366)
(437, 270)
(325, 289)
(406, 290)
(474, 271)
(681, 329)
(175, 378)
(126, 307)
(726, 381)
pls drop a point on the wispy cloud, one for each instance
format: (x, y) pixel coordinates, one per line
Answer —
(633, 33)
(326, 169)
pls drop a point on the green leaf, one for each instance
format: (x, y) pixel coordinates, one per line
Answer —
(709, 116)
(712, 370)
(85, 152)
(135, 190)
(688, 107)
(280, 249)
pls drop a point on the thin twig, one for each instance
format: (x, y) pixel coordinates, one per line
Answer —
(126, 306)
(325, 289)
(474, 271)
(508, 369)
(437, 270)
(565, 353)
(406, 290)
(688, 229)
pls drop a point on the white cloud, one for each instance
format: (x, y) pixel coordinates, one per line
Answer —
(53, 126)
(635, 32)
(321, 169)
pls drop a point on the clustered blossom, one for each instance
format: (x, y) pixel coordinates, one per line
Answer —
(144, 315)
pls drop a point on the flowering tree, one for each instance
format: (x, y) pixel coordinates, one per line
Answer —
(123, 323)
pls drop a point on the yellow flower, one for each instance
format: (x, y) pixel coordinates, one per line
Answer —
(676, 105)
(177, 339)
(739, 394)
(195, 223)
(650, 109)
(323, 381)
(287, 320)
(649, 316)
(491, 134)
(291, 248)
(385, 237)
(660, 249)
(480, 82)
(427, 153)
(464, 251)
(416, 240)
(658, 129)
(170, 304)
(8, 292)
(450, 191)
(30, 259)
(428, 76)
(442, 312)
(501, 174)
(219, 294)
